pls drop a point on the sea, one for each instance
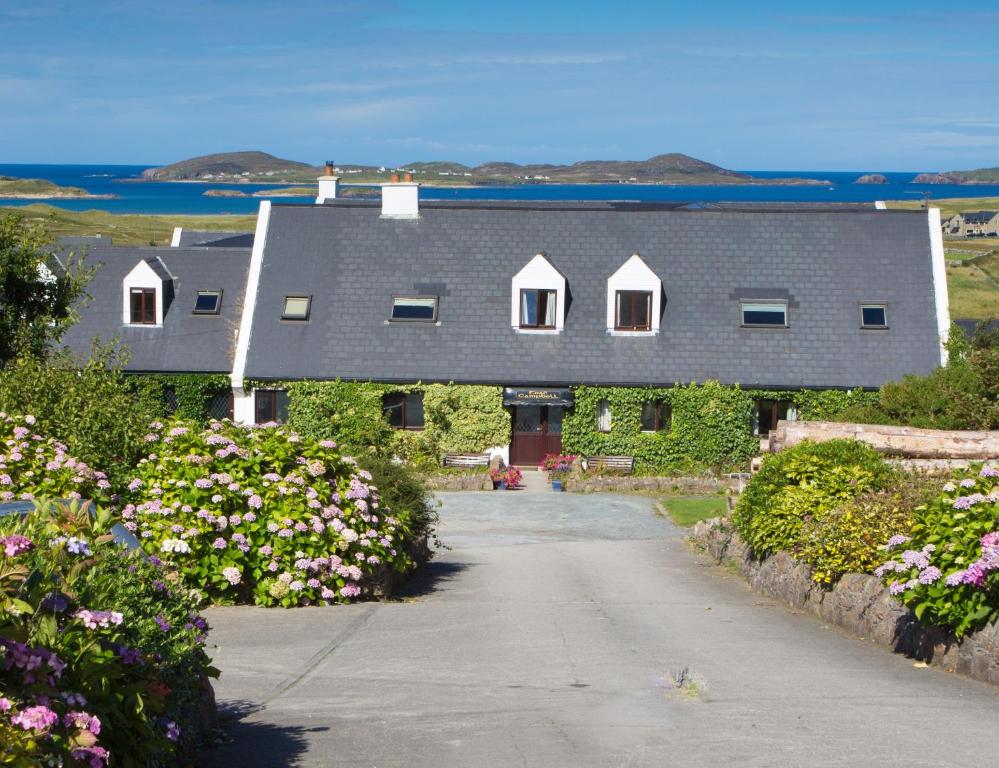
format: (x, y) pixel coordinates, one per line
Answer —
(135, 196)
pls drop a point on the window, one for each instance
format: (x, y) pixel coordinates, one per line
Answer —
(603, 416)
(296, 307)
(537, 308)
(208, 302)
(270, 405)
(422, 309)
(873, 316)
(634, 311)
(143, 306)
(404, 410)
(768, 315)
(769, 412)
(657, 416)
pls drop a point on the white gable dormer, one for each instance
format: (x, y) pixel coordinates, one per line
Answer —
(634, 299)
(537, 298)
(146, 293)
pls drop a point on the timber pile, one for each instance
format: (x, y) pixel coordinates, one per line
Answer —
(905, 442)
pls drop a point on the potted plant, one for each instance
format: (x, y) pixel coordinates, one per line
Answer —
(558, 467)
(499, 477)
(513, 477)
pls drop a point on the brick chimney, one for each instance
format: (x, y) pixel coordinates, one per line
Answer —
(329, 184)
(401, 199)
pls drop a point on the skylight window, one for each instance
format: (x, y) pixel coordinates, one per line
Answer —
(765, 315)
(873, 316)
(208, 302)
(422, 309)
(296, 307)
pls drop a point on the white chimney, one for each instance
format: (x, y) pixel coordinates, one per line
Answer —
(401, 199)
(329, 184)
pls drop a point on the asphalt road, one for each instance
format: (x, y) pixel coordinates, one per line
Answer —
(552, 634)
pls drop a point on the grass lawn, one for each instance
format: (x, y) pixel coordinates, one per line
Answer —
(687, 510)
(127, 229)
(949, 206)
(973, 293)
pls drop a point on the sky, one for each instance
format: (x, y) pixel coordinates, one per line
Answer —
(760, 85)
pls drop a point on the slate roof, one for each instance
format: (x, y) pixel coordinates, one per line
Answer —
(979, 217)
(825, 262)
(216, 239)
(186, 342)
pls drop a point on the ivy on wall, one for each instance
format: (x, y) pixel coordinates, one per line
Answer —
(458, 418)
(187, 395)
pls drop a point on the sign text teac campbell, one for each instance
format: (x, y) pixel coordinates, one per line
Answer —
(537, 396)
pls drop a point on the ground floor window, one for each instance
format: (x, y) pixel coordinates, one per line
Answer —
(270, 405)
(404, 410)
(769, 412)
(657, 416)
(603, 416)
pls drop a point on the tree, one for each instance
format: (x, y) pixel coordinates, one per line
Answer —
(38, 294)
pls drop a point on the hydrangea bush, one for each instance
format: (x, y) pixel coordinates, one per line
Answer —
(947, 567)
(101, 659)
(262, 515)
(32, 466)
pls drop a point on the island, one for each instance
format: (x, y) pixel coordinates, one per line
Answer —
(671, 168)
(977, 176)
(224, 193)
(872, 178)
(14, 188)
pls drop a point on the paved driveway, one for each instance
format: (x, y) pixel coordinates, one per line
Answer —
(550, 635)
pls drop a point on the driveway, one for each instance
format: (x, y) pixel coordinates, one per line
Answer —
(552, 634)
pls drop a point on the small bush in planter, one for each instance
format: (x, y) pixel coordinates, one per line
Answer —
(262, 515)
(947, 569)
(798, 483)
(101, 659)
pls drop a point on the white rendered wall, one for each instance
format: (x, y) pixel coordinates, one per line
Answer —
(634, 275)
(141, 276)
(939, 280)
(242, 401)
(401, 200)
(328, 188)
(538, 273)
(175, 240)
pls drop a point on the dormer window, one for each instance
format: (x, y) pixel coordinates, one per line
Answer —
(147, 292)
(142, 306)
(634, 299)
(208, 302)
(538, 298)
(634, 311)
(537, 308)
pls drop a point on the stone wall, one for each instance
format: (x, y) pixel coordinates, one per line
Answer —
(459, 481)
(685, 486)
(858, 603)
(908, 442)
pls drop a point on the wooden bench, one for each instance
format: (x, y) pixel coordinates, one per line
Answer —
(623, 464)
(466, 459)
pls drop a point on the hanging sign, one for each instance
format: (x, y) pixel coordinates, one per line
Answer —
(537, 396)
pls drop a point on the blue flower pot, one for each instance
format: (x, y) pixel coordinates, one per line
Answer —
(500, 485)
(557, 485)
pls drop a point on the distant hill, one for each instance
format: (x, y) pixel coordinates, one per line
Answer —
(673, 168)
(978, 176)
(230, 166)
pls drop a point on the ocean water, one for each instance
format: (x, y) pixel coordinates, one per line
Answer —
(133, 196)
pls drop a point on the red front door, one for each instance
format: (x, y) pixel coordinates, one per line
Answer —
(537, 431)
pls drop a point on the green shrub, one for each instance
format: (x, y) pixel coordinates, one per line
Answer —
(850, 537)
(948, 572)
(264, 515)
(92, 409)
(101, 658)
(801, 482)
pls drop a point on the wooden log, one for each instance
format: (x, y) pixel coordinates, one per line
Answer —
(908, 442)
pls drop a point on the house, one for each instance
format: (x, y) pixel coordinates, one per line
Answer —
(973, 224)
(538, 297)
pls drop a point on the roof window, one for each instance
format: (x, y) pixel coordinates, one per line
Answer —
(764, 314)
(296, 307)
(208, 303)
(421, 309)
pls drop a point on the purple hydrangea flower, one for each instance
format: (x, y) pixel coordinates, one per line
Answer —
(930, 575)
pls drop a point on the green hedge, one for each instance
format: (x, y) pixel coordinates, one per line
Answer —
(192, 392)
